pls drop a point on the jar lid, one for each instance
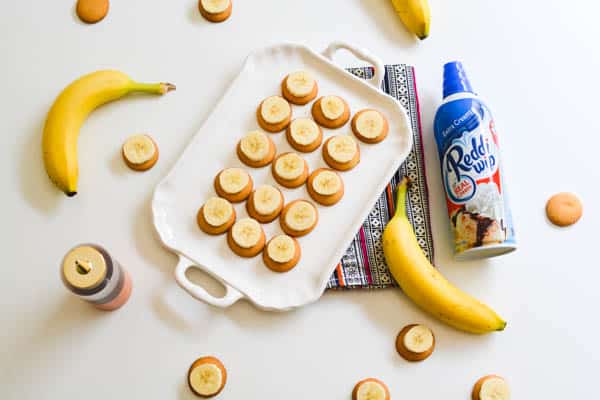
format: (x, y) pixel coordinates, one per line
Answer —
(84, 267)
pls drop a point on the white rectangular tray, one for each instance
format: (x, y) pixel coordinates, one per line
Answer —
(189, 184)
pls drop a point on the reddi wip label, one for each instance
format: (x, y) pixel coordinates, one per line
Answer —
(472, 176)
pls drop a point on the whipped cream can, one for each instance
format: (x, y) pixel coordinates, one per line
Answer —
(472, 176)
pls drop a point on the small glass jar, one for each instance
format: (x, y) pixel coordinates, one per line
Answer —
(90, 272)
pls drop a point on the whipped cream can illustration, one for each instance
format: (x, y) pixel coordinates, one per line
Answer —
(472, 175)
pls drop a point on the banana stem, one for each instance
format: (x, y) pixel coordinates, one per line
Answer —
(158, 88)
(401, 196)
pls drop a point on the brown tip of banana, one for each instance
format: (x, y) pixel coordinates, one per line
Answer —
(166, 87)
(405, 180)
(502, 327)
(423, 37)
(70, 194)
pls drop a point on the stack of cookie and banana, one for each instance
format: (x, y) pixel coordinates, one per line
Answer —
(265, 203)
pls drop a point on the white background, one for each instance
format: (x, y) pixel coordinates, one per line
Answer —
(537, 64)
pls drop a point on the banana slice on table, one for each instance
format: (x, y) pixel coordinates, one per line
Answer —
(246, 232)
(342, 149)
(233, 180)
(327, 183)
(215, 6)
(275, 109)
(255, 145)
(266, 199)
(140, 152)
(207, 377)
(289, 166)
(217, 211)
(281, 248)
(300, 83)
(491, 387)
(304, 131)
(418, 339)
(332, 107)
(370, 389)
(215, 10)
(299, 218)
(370, 126)
(415, 342)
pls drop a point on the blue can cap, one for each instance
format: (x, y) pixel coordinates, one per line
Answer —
(455, 79)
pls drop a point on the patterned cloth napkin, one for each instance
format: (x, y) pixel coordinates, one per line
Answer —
(363, 265)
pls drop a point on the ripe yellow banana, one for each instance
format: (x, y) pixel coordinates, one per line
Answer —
(424, 284)
(69, 111)
(415, 15)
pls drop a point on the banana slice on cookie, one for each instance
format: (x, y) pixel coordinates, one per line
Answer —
(370, 389)
(256, 149)
(246, 233)
(265, 203)
(304, 135)
(331, 111)
(299, 87)
(216, 216)
(207, 377)
(325, 186)
(491, 387)
(341, 152)
(370, 126)
(215, 10)
(233, 184)
(415, 342)
(282, 253)
(290, 170)
(299, 218)
(332, 107)
(274, 114)
(140, 152)
(246, 237)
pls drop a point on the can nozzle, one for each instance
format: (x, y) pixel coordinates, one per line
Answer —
(455, 79)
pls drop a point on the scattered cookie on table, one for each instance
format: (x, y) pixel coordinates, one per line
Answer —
(281, 253)
(233, 184)
(299, 87)
(140, 152)
(274, 114)
(265, 203)
(246, 237)
(491, 387)
(341, 152)
(415, 342)
(564, 209)
(370, 388)
(207, 377)
(92, 11)
(256, 149)
(298, 218)
(304, 135)
(370, 126)
(290, 170)
(216, 216)
(215, 10)
(325, 186)
(331, 111)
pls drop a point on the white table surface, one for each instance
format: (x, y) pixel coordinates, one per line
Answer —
(536, 64)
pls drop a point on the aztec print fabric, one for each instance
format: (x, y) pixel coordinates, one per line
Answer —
(363, 265)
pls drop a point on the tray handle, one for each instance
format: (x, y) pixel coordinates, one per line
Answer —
(362, 54)
(231, 295)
